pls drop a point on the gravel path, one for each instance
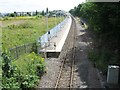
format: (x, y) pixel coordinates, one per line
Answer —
(85, 75)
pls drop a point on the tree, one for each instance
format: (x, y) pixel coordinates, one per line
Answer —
(76, 10)
(11, 15)
(103, 19)
(43, 13)
(28, 13)
(15, 13)
(36, 13)
(71, 11)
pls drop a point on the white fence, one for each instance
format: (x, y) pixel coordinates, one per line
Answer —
(52, 33)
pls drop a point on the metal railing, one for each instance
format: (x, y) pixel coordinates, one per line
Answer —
(52, 33)
(20, 50)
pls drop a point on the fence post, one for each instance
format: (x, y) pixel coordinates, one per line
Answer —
(17, 51)
(39, 45)
(25, 47)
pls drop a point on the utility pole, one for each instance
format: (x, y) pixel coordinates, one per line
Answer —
(47, 14)
(45, 53)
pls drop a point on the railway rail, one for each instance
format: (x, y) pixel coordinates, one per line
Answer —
(66, 73)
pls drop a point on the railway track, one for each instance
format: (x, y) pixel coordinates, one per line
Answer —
(66, 73)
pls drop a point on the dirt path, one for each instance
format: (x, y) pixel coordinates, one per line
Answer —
(85, 75)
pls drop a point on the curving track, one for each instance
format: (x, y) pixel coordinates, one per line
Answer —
(76, 71)
(65, 77)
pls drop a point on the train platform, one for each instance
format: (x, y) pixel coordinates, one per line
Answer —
(54, 45)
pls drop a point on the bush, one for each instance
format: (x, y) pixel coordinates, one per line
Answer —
(5, 18)
(100, 58)
(22, 73)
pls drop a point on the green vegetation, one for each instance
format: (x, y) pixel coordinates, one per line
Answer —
(26, 71)
(22, 73)
(0, 72)
(17, 31)
(103, 20)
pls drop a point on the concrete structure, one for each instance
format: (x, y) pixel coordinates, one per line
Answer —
(54, 46)
(113, 74)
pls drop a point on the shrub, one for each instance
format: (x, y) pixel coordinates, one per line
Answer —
(100, 58)
(22, 73)
(38, 16)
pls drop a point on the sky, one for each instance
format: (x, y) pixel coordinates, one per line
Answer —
(39, 5)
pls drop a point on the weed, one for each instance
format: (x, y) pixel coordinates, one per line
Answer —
(22, 73)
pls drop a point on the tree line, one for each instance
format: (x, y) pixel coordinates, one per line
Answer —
(103, 20)
(15, 14)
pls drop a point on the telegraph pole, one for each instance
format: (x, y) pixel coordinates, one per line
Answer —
(55, 25)
(47, 31)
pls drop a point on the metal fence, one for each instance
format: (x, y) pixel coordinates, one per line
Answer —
(20, 50)
(51, 33)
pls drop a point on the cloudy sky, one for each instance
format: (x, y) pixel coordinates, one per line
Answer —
(32, 5)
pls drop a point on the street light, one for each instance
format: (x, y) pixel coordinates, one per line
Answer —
(45, 53)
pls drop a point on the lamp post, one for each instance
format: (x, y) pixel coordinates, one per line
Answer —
(47, 14)
(55, 19)
(60, 21)
(55, 25)
(47, 29)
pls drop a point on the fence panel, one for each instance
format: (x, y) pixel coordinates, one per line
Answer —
(13, 53)
(20, 50)
(29, 48)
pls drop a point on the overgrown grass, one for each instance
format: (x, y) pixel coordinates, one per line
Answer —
(0, 72)
(25, 31)
(26, 71)
(22, 73)
(27, 63)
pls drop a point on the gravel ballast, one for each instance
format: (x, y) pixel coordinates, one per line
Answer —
(52, 69)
